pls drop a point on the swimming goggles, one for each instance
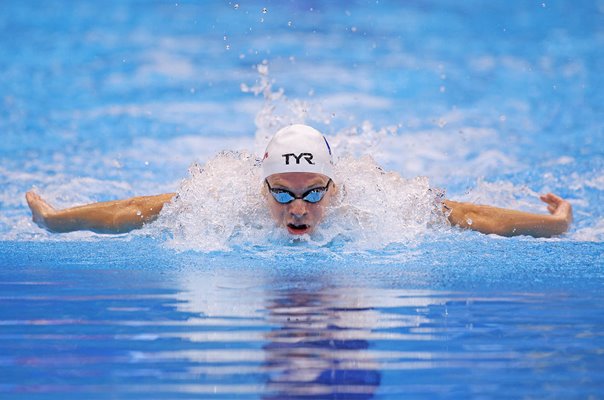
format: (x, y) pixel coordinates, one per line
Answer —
(312, 196)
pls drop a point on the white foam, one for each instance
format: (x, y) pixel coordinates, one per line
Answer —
(504, 194)
(596, 183)
(220, 207)
(217, 207)
(378, 208)
(593, 233)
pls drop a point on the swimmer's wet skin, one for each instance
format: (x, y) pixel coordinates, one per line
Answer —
(118, 216)
(297, 170)
(299, 216)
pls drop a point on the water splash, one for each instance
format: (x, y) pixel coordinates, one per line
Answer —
(220, 207)
(378, 208)
(217, 207)
(277, 110)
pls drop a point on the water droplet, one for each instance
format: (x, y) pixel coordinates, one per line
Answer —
(289, 23)
(236, 6)
(442, 123)
(224, 37)
(543, 5)
(443, 89)
(354, 29)
(139, 213)
(502, 118)
(261, 20)
(146, 163)
(241, 56)
(192, 90)
(469, 221)
(264, 10)
(228, 47)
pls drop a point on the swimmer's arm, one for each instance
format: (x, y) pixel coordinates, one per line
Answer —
(504, 222)
(107, 217)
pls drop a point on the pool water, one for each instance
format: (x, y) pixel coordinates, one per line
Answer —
(492, 103)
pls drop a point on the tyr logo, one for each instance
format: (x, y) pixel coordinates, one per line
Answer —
(306, 156)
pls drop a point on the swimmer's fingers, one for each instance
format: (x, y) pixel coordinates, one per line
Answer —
(551, 200)
(32, 197)
(40, 209)
(556, 205)
(35, 201)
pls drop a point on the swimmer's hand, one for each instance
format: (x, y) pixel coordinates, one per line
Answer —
(118, 216)
(505, 222)
(41, 211)
(559, 208)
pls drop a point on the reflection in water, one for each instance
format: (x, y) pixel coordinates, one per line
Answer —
(284, 333)
(317, 349)
(320, 335)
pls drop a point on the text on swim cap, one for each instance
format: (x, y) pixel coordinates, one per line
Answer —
(306, 156)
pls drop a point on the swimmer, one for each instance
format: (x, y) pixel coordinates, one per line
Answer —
(297, 169)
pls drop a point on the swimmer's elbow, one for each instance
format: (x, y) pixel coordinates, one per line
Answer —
(460, 214)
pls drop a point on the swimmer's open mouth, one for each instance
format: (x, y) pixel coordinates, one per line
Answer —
(298, 229)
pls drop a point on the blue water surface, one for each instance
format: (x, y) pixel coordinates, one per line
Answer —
(494, 102)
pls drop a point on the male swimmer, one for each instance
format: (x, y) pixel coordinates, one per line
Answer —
(297, 169)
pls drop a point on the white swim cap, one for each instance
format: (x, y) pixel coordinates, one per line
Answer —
(297, 148)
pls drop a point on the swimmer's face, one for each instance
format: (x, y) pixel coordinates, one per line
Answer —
(299, 217)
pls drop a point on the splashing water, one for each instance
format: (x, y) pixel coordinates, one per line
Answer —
(217, 207)
(278, 110)
(220, 207)
(378, 208)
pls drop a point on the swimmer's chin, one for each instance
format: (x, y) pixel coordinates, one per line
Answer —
(299, 230)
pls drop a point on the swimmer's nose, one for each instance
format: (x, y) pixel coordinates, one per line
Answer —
(297, 208)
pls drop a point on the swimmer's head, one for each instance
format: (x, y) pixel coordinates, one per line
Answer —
(297, 148)
(298, 170)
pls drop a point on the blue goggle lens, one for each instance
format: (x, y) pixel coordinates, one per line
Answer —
(285, 196)
(315, 195)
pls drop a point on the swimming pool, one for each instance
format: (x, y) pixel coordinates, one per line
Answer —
(492, 103)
